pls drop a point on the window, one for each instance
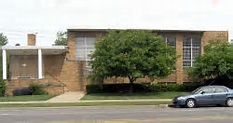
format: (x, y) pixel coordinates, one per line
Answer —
(220, 90)
(84, 48)
(171, 41)
(191, 48)
(208, 90)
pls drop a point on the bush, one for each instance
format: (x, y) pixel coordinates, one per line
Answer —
(113, 88)
(122, 88)
(94, 88)
(36, 89)
(22, 91)
(2, 87)
(172, 87)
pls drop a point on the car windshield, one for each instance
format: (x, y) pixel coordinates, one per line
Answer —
(197, 91)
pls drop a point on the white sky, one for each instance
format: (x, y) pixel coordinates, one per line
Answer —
(46, 17)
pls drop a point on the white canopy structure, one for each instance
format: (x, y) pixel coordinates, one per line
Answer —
(30, 50)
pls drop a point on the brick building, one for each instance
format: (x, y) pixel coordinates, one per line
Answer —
(188, 44)
(61, 68)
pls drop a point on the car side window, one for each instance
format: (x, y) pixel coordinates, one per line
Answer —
(208, 90)
(220, 90)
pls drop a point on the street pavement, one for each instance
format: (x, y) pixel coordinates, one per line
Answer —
(112, 114)
(117, 114)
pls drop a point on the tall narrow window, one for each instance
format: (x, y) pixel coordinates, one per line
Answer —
(84, 48)
(191, 48)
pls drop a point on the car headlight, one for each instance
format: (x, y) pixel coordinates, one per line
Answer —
(180, 98)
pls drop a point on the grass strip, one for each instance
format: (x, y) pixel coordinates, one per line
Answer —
(26, 98)
(84, 104)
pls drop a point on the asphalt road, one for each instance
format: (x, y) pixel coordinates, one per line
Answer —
(117, 114)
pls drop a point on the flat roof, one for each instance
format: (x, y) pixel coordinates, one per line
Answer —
(33, 50)
(32, 47)
(156, 30)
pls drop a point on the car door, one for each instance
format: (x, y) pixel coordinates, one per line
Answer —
(206, 96)
(220, 95)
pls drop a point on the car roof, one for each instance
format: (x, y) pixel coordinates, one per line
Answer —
(214, 86)
(221, 86)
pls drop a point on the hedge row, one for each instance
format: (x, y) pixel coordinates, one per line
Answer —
(116, 88)
(33, 89)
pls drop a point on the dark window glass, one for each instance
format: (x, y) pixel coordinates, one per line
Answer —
(170, 41)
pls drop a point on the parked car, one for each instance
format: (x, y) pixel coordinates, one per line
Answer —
(206, 96)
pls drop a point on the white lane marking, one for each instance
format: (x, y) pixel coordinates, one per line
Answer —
(4, 114)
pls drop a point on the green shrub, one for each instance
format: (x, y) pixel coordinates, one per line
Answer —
(36, 89)
(114, 88)
(94, 88)
(21, 91)
(2, 87)
(125, 87)
(172, 87)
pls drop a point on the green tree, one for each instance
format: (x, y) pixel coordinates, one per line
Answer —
(61, 38)
(2, 87)
(216, 62)
(132, 54)
(3, 41)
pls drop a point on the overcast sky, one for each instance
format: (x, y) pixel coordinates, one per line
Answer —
(46, 17)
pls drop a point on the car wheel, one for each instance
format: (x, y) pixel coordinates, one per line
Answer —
(190, 103)
(229, 102)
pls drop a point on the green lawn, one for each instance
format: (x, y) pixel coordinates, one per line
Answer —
(84, 104)
(124, 96)
(26, 98)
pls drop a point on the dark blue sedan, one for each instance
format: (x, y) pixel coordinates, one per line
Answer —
(205, 96)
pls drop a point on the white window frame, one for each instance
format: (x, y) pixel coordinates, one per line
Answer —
(192, 60)
(86, 50)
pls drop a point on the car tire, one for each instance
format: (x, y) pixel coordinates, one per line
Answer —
(229, 102)
(190, 103)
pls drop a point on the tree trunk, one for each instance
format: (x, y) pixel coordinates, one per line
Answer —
(131, 80)
(131, 86)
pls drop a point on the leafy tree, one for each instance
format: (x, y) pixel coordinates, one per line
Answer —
(216, 62)
(3, 41)
(2, 87)
(61, 38)
(132, 54)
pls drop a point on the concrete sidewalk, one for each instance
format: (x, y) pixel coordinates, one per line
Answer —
(68, 97)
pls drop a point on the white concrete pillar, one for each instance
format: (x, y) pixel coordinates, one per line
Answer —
(39, 64)
(4, 64)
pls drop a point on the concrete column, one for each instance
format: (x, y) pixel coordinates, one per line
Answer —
(4, 64)
(39, 64)
(179, 61)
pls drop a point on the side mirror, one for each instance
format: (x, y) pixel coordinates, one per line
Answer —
(203, 92)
